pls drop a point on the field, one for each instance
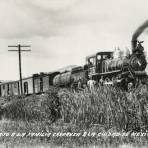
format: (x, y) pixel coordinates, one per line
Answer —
(105, 117)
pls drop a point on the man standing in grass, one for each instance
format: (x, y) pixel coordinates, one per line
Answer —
(101, 81)
(80, 84)
(91, 84)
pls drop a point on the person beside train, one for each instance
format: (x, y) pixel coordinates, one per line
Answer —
(101, 81)
(72, 85)
(91, 84)
(79, 86)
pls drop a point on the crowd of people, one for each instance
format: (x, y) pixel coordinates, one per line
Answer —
(91, 84)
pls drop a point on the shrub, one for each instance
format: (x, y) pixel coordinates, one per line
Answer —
(34, 107)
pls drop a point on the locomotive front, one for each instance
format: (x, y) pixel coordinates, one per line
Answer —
(131, 68)
(138, 59)
(135, 63)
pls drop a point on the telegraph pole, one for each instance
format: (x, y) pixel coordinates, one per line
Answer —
(20, 68)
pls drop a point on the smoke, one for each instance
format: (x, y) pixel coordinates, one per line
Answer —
(140, 30)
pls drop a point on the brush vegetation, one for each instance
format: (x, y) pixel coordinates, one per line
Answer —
(106, 109)
(109, 106)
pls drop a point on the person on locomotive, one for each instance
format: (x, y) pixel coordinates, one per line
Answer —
(90, 63)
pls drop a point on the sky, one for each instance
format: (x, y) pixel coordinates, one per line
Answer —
(64, 32)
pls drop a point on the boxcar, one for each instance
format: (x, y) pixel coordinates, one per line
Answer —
(9, 88)
(15, 88)
(36, 83)
(41, 82)
(27, 85)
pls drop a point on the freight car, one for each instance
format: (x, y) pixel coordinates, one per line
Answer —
(9, 88)
(37, 83)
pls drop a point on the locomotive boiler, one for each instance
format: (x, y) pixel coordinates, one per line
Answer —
(136, 63)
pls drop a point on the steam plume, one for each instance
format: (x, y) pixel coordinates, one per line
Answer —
(139, 31)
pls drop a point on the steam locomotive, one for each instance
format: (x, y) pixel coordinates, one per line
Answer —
(101, 65)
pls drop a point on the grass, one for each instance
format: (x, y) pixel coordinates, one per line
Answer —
(104, 110)
(108, 106)
(43, 107)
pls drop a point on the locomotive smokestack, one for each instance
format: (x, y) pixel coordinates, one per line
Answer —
(134, 44)
(137, 33)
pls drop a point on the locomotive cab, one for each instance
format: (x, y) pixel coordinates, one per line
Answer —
(91, 64)
(94, 62)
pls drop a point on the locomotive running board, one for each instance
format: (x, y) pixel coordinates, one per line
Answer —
(95, 74)
(116, 71)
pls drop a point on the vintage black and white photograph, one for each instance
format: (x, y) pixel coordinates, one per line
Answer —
(74, 73)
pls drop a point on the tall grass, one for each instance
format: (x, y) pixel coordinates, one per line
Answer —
(43, 107)
(103, 109)
(109, 106)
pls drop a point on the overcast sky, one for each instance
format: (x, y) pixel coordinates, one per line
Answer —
(64, 32)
